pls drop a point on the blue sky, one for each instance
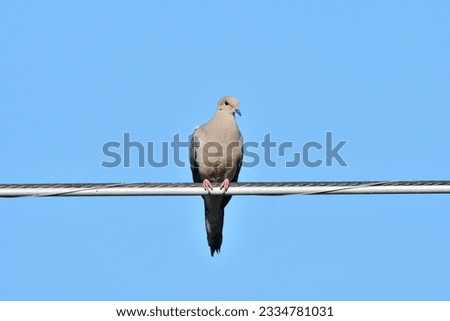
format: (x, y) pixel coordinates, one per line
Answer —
(77, 74)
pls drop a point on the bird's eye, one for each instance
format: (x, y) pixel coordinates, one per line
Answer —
(226, 103)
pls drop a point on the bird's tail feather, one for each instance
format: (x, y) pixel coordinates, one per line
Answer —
(214, 226)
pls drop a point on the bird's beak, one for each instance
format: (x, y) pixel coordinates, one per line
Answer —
(238, 111)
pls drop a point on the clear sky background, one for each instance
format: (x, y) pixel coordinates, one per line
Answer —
(77, 74)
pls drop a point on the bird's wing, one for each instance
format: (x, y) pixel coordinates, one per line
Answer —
(193, 158)
(238, 165)
(238, 162)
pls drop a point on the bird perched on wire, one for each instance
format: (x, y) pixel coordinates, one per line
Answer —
(215, 154)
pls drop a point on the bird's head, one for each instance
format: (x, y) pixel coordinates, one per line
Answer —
(229, 104)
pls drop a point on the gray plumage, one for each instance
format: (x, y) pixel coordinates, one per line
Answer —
(215, 155)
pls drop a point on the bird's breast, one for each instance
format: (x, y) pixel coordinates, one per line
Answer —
(217, 160)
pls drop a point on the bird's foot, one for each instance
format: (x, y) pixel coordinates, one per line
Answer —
(207, 185)
(225, 184)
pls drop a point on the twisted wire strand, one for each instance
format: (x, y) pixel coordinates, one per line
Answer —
(245, 188)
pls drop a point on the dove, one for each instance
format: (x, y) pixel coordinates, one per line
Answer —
(215, 155)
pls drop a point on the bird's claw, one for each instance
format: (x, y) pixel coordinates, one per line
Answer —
(225, 184)
(207, 185)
